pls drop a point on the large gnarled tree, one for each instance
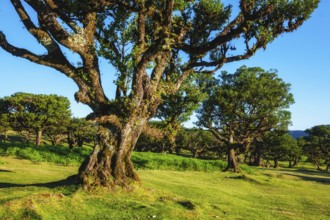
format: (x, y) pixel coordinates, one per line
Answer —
(155, 46)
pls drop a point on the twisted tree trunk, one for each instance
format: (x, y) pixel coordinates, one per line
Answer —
(110, 162)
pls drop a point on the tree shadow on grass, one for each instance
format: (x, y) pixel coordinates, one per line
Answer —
(72, 181)
(318, 179)
(5, 171)
(310, 175)
(313, 172)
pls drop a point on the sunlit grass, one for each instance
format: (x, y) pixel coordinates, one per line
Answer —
(165, 194)
(142, 160)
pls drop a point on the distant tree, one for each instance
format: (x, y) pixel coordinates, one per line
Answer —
(294, 153)
(282, 147)
(4, 125)
(197, 141)
(4, 120)
(148, 143)
(79, 131)
(244, 106)
(154, 46)
(254, 157)
(36, 113)
(152, 138)
(57, 131)
(317, 145)
(260, 145)
(301, 142)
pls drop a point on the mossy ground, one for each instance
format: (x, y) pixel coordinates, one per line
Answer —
(30, 190)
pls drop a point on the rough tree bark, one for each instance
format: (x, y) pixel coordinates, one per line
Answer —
(110, 163)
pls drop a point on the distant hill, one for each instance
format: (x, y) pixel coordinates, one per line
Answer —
(297, 133)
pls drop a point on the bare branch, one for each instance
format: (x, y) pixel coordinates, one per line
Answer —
(47, 60)
(233, 30)
(55, 8)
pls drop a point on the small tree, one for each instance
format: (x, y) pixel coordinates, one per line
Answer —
(57, 131)
(317, 145)
(280, 147)
(152, 138)
(260, 144)
(36, 113)
(243, 106)
(4, 125)
(79, 131)
(197, 141)
(294, 153)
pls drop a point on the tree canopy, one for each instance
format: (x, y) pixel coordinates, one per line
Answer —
(154, 46)
(79, 131)
(4, 125)
(317, 145)
(281, 146)
(36, 113)
(244, 106)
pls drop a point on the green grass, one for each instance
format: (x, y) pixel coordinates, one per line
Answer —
(142, 160)
(45, 153)
(28, 191)
(156, 161)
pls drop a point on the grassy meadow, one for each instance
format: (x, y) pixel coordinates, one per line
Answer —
(172, 188)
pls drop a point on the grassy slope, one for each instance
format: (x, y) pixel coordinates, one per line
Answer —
(281, 194)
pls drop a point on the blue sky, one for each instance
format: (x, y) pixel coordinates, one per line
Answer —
(302, 59)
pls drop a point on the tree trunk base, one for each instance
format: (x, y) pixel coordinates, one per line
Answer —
(104, 168)
(232, 162)
(109, 165)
